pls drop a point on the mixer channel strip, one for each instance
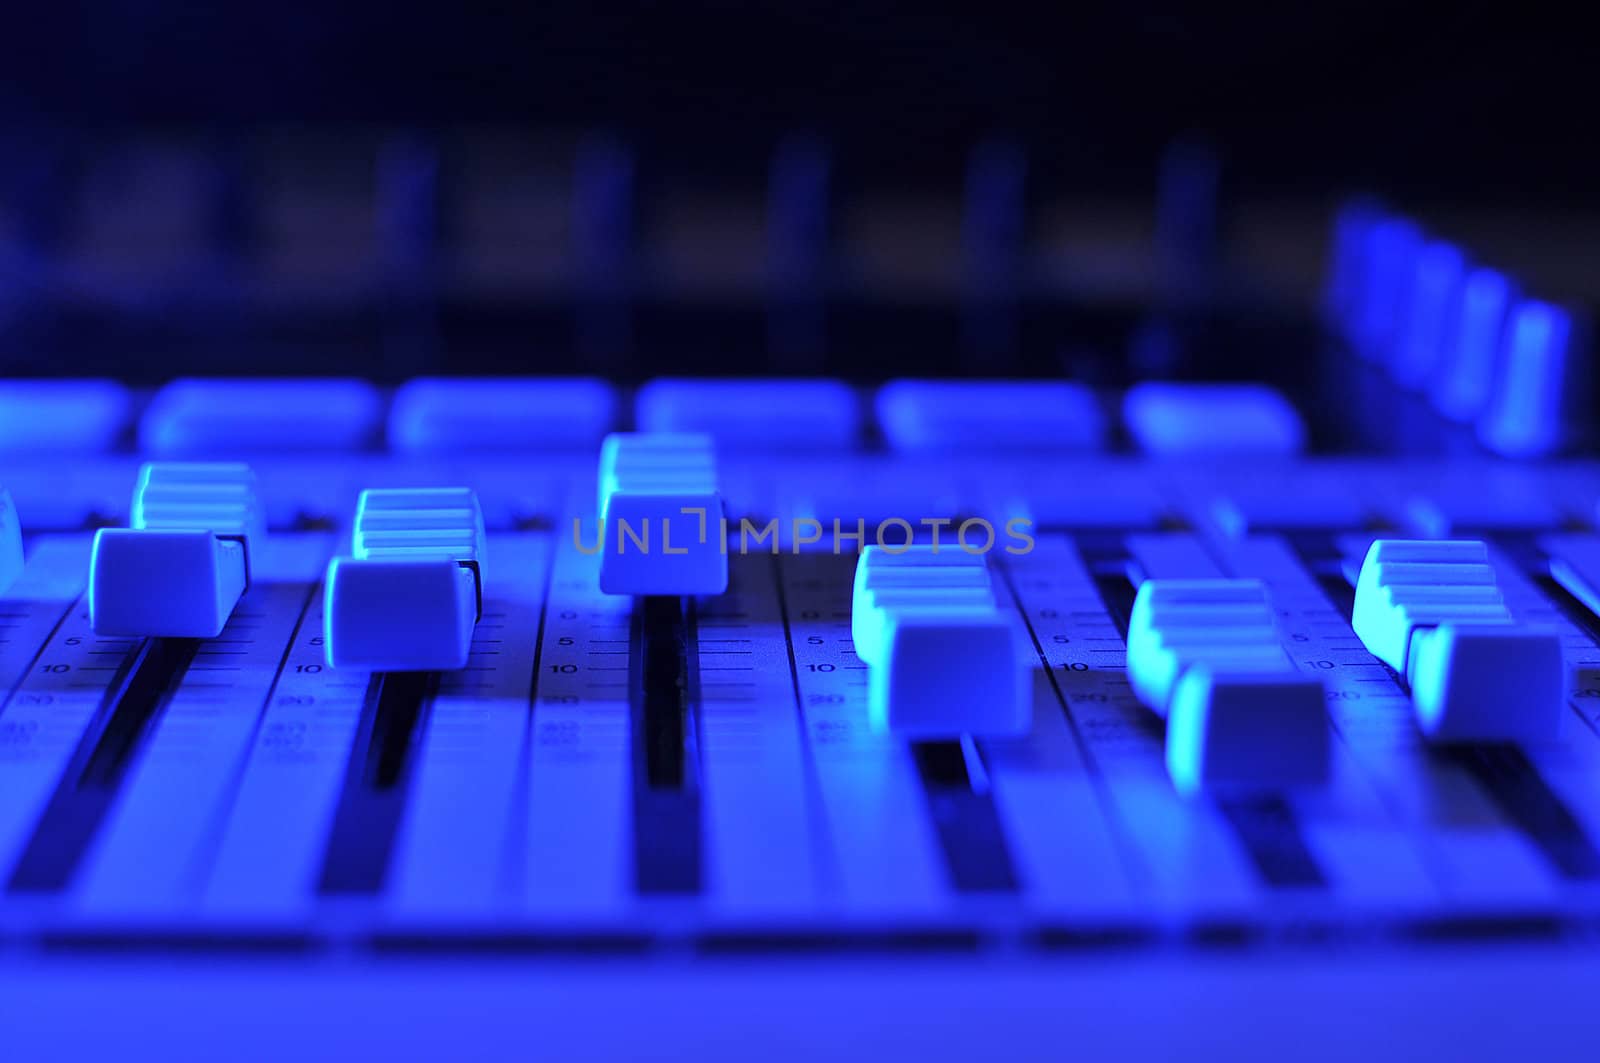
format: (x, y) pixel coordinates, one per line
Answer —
(618, 773)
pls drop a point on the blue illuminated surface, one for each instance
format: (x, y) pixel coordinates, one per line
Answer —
(61, 416)
(1465, 379)
(10, 542)
(1349, 261)
(753, 414)
(1392, 248)
(203, 417)
(1525, 416)
(930, 416)
(447, 415)
(1236, 419)
(1434, 292)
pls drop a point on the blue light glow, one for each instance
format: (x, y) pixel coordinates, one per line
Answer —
(1465, 374)
(1434, 293)
(1392, 248)
(450, 415)
(760, 415)
(222, 417)
(1237, 419)
(61, 416)
(1526, 413)
(932, 416)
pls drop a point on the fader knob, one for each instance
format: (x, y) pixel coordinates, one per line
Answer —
(1432, 610)
(661, 515)
(1207, 655)
(411, 593)
(943, 660)
(179, 568)
(10, 542)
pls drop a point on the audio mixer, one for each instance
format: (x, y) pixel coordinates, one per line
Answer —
(478, 598)
(268, 696)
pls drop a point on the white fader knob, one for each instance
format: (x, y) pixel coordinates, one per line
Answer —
(943, 660)
(1432, 611)
(1207, 655)
(411, 593)
(179, 568)
(10, 542)
(661, 515)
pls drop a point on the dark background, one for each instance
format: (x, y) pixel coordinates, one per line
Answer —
(1478, 104)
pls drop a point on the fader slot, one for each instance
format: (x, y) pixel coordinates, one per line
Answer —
(158, 835)
(374, 795)
(455, 855)
(963, 813)
(1550, 791)
(89, 785)
(1523, 796)
(887, 850)
(59, 688)
(666, 786)
(1272, 837)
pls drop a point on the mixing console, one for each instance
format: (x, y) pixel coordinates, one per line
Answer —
(254, 780)
(970, 689)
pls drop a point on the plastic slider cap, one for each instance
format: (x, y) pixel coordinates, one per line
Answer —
(180, 568)
(409, 596)
(1207, 655)
(661, 515)
(1542, 385)
(949, 672)
(942, 659)
(1349, 262)
(10, 542)
(1247, 731)
(1432, 295)
(1433, 611)
(916, 577)
(1463, 380)
(1392, 248)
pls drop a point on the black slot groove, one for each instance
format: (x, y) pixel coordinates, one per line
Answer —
(662, 687)
(1106, 557)
(141, 687)
(942, 764)
(1271, 835)
(373, 797)
(966, 820)
(1319, 552)
(400, 699)
(1516, 787)
(660, 637)
(156, 671)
